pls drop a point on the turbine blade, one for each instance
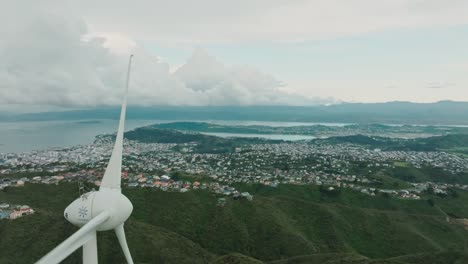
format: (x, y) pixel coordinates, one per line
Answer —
(119, 231)
(112, 175)
(78, 239)
(90, 255)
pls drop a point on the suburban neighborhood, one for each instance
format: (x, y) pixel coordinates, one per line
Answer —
(178, 168)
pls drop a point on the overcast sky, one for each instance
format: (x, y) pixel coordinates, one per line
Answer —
(70, 54)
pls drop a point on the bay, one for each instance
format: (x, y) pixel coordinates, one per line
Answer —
(16, 137)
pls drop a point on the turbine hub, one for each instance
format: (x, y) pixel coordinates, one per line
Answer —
(90, 204)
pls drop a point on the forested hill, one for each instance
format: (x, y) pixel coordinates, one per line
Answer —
(318, 130)
(287, 224)
(437, 143)
(205, 143)
(450, 142)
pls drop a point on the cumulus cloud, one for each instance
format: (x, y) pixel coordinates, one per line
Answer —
(46, 61)
(208, 21)
(49, 57)
(224, 85)
(440, 85)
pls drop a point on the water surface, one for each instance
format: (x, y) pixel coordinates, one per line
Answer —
(34, 135)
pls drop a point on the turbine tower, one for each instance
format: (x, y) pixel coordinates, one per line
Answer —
(101, 210)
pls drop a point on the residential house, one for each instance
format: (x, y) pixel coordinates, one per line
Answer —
(5, 214)
(22, 211)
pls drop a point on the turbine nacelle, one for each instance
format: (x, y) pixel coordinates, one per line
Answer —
(91, 204)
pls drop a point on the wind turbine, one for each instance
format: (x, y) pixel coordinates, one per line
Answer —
(101, 210)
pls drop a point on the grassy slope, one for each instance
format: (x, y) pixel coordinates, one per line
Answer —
(281, 223)
(425, 174)
(421, 258)
(236, 258)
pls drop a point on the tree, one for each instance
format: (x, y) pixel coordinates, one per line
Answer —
(431, 202)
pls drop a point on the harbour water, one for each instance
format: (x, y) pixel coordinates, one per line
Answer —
(18, 137)
(27, 136)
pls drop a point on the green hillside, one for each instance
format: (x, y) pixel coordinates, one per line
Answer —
(245, 129)
(436, 143)
(236, 258)
(288, 224)
(205, 143)
(313, 129)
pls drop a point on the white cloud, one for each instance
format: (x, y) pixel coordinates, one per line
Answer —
(116, 42)
(208, 21)
(440, 85)
(224, 85)
(73, 53)
(44, 60)
(50, 58)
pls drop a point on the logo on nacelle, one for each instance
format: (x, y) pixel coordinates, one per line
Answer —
(82, 212)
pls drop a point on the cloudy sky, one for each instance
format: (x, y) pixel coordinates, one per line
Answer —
(71, 54)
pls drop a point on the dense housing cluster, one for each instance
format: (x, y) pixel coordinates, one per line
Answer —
(160, 166)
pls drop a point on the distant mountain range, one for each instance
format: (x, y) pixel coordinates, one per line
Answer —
(440, 113)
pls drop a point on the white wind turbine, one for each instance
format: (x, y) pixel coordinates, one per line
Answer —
(101, 210)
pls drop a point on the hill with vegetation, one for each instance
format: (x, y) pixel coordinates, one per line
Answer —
(188, 132)
(319, 130)
(205, 143)
(287, 224)
(435, 143)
